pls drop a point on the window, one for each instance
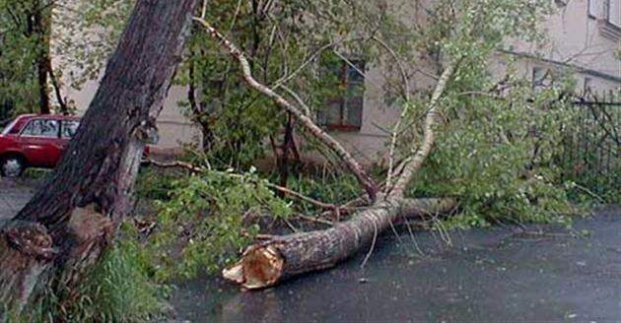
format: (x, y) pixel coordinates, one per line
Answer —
(560, 3)
(69, 128)
(540, 78)
(42, 128)
(586, 88)
(593, 8)
(613, 12)
(343, 109)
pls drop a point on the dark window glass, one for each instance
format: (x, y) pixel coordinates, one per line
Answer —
(69, 128)
(42, 128)
(343, 109)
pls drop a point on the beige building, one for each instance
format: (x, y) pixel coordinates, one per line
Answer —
(584, 36)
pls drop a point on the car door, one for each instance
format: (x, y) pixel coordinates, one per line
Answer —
(41, 143)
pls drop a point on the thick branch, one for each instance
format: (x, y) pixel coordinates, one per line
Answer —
(363, 178)
(411, 165)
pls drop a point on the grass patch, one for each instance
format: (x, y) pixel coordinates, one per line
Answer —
(118, 289)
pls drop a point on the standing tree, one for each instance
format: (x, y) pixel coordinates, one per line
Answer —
(24, 58)
(72, 219)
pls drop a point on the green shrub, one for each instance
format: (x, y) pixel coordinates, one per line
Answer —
(497, 154)
(209, 219)
(155, 184)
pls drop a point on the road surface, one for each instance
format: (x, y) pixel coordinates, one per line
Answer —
(518, 274)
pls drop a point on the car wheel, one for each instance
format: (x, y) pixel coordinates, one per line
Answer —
(12, 166)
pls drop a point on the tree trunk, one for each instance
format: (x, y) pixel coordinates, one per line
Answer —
(282, 157)
(72, 219)
(62, 103)
(41, 20)
(268, 263)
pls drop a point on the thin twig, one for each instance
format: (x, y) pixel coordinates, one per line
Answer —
(175, 164)
(404, 76)
(313, 219)
(366, 258)
(288, 192)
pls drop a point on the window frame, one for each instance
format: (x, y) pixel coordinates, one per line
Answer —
(357, 65)
(607, 11)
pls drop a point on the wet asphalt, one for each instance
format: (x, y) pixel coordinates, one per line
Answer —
(503, 274)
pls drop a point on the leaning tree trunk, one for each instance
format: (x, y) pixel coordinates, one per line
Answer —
(72, 219)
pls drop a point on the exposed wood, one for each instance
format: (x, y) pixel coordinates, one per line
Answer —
(71, 220)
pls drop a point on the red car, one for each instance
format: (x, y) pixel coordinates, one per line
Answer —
(35, 141)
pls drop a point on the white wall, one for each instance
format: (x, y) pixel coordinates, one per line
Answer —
(574, 38)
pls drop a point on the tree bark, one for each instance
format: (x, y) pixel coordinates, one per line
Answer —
(62, 103)
(264, 265)
(282, 157)
(72, 219)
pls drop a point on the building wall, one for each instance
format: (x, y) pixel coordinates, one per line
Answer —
(580, 40)
(576, 40)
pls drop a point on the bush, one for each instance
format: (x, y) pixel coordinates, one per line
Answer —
(155, 184)
(208, 220)
(497, 156)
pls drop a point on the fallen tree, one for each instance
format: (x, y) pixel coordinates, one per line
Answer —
(462, 36)
(269, 262)
(71, 221)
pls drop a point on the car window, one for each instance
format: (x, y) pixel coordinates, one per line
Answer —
(42, 128)
(12, 128)
(69, 128)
